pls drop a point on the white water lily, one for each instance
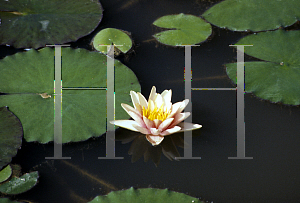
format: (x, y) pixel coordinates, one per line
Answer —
(156, 117)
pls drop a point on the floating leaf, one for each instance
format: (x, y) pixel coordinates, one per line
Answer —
(184, 30)
(19, 185)
(277, 78)
(38, 22)
(10, 135)
(110, 36)
(5, 173)
(254, 15)
(83, 111)
(6, 200)
(145, 195)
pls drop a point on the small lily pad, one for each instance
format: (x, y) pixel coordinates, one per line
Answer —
(113, 36)
(145, 195)
(5, 173)
(184, 30)
(254, 15)
(277, 78)
(28, 75)
(38, 22)
(10, 136)
(19, 185)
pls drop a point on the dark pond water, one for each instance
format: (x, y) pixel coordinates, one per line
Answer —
(272, 130)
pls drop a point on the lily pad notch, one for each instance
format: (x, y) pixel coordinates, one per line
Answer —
(184, 29)
(112, 36)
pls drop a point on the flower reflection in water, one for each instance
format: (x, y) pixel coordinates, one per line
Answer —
(141, 147)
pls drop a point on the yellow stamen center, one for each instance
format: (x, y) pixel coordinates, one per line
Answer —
(156, 113)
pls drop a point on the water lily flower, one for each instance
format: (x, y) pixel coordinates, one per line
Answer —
(156, 117)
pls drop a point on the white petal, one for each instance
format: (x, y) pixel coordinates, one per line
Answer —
(142, 100)
(151, 105)
(178, 107)
(154, 131)
(157, 122)
(179, 117)
(128, 108)
(185, 126)
(175, 129)
(158, 101)
(135, 101)
(165, 124)
(137, 118)
(128, 124)
(167, 95)
(141, 129)
(148, 123)
(184, 103)
(152, 94)
(154, 139)
(167, 106)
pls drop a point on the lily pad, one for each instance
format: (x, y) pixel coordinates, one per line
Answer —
(83, 111)
(35, 23)
(19, 185)
(277, 78)
(145, 195)
(113, 36)
(10, 135)
(254, 15)
(7, 200)
(5, 173)
(184, 30)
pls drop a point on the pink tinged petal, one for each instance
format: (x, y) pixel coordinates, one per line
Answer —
(128, 109)
(154, 131)
(141, 129)
(166, 95)
(179, 117)
(149, 123)
(185, 126)
(157, 122)
(169, 131)
(165, 124)
(152, 94)
(154, 139)
(176, 108)
(135, 101)
(142, 100)
(137, 118)
(128, 124)
(184, 103)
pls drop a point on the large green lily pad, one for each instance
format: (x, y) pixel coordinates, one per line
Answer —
(145, 195)
(83, 111)
(21, 184)
(277, 78)
(34, 23)
(184, 30)
(10, 135)
(113, 36)
(254, 15)
(5, 173)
